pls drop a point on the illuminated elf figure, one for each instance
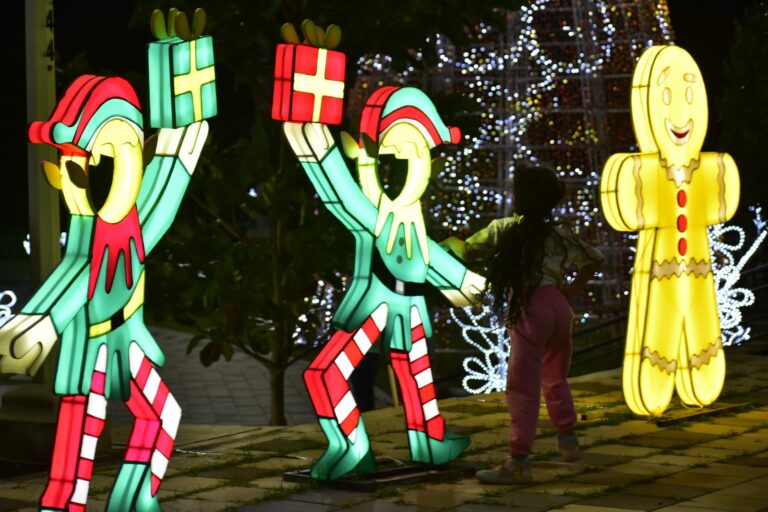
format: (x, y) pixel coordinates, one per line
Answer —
(395, 260)
(92, 303)
(669, 193)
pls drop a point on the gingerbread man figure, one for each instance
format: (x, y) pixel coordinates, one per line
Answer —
(669, 193)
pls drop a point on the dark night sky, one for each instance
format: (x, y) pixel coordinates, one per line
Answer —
(703, 27)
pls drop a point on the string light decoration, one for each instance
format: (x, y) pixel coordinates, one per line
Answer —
(727, 268)
(552, 86)
(486, 373)
(314, 325)
(7, 301)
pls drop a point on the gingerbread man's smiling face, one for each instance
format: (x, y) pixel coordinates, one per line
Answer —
(677, 106)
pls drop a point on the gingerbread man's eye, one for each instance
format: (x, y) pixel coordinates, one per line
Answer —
(689, 95)
(666, 96)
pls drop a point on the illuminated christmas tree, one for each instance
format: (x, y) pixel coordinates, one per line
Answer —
(552, 87)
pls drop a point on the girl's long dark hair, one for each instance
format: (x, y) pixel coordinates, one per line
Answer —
(516, 267)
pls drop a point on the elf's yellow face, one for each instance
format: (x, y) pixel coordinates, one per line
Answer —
(118, 140)
(406, 143)
(677, 106)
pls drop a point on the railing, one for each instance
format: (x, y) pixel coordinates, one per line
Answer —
(616, 343)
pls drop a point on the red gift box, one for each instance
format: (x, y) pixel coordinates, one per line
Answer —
(309, 84)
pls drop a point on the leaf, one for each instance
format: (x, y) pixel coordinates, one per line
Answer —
(227, 351)
(210, 353)
(193, 342)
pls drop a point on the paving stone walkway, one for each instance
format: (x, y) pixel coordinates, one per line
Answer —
(232, 392)
(717, 461)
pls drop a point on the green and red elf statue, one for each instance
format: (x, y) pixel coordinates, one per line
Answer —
(395, 259)
(92, 304)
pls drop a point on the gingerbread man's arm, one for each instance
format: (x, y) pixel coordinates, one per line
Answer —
(322, 161)
(629, 191)
(167, 177)
(721, 173)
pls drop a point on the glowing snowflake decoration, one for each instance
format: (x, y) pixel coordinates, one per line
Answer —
(488, 372)
(7, 301)
(727, 267)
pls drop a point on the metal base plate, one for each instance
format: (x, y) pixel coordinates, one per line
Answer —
(390, 472)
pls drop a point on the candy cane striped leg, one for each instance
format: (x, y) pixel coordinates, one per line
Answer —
(157, 416)
(81, 421)
(156, 421)
(326, 379)
(426, 427)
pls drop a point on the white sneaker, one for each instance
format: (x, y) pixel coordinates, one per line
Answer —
(568, 446)
(510, 472)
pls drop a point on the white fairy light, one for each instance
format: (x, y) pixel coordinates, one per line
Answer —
(314, 325)
(7, 301)
(488, 372)
(727, 267)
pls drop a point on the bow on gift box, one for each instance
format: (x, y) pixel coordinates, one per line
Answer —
(177, 25)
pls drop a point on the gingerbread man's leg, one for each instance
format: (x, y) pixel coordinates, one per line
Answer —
(663, 335)
(637, 320)
(80, 423)
(327, 381)
(428, 440)
(701, 371)
(157, 416)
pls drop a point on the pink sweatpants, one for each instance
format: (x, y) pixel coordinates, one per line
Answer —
(540, 358)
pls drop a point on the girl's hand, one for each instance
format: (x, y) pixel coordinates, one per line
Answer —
(456, 245)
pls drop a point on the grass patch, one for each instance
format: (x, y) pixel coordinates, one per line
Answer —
(279, 493)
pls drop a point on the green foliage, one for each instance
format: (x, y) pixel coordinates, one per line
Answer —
(745, 102)
(237, 268)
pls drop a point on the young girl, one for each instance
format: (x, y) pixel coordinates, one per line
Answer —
(530, 256)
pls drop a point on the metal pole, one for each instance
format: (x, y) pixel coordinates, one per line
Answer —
(43, 209)
(28, 413)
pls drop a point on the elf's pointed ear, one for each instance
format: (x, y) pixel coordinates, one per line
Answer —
(438, 164)
(371, 148)
(52, 173)
(349, 145)
(77, 174)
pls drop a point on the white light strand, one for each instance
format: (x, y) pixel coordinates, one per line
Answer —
(727, 267)
(314, 326)
(7, 301)
(524, 108)
(487, 373)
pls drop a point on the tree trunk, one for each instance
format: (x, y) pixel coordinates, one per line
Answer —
(277, 395)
